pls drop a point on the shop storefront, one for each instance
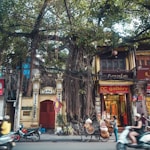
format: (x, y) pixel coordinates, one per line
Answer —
(148, 100)
(115, 101)
(143, 75)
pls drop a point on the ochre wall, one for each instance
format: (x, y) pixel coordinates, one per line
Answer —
(27, 120)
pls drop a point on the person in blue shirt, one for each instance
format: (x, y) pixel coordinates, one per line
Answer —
(115, 127)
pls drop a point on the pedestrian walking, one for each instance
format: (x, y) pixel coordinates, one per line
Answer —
(115, 127)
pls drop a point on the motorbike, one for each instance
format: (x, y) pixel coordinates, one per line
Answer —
(143, 141)
(7, 142)
(27, 134)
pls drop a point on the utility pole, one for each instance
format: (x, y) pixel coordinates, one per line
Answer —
(18, 99)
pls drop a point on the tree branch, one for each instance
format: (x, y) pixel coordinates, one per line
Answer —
(68, 13)
(40, 16)
(137, 40)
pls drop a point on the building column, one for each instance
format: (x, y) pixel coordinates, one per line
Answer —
(59, 89)
(139, 93)
(35, 110)
(2, 105)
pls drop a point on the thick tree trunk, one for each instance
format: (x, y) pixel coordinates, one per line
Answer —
(78, 86)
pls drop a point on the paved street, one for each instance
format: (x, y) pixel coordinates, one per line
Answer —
(64, 146)
(55, 142)
(73, 138)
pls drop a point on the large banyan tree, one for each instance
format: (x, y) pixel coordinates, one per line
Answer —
(46, 28)
(78, 81)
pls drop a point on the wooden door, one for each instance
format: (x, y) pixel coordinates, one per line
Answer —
(47, 114)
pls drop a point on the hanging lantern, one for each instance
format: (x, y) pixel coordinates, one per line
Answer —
(114, 52)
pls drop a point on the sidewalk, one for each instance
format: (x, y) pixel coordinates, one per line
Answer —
(63, 138)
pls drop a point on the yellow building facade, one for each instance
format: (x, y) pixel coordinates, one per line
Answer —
(40, 109)
(115, 74)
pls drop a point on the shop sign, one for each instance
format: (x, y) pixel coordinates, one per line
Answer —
(140, 97)
(148, 89)
(35, 106)
(114, 89)
(1, 87)
(117, 75)
(143, 73)
(137, 98)
(134, 98)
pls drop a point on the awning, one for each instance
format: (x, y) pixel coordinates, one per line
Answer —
(115, 83)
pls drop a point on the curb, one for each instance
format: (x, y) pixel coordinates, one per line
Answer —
(71, 138)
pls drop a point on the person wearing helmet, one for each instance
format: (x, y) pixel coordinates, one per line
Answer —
(1, 121)
(6, 125)
(137, 129)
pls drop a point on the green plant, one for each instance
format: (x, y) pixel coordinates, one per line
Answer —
(60, 120)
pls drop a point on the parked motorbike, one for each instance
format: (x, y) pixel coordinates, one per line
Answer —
(31, 134)
(7, 142)
(143, 141)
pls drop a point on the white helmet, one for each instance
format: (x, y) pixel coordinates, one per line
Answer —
(138, 115)
(7, 117)
(1, 118)
(88, 120)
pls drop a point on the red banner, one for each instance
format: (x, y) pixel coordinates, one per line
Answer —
(114, 89)
(1, 86)
(57, 105)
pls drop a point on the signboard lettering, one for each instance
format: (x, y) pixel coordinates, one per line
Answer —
(114, 89)
(117, 75)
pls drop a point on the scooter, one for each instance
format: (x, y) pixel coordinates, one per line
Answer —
(7, 142)
(143, 141)
(31, 134)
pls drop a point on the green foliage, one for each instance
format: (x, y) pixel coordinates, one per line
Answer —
(60, 120)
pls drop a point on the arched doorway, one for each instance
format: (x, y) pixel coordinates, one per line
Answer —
(47, 114)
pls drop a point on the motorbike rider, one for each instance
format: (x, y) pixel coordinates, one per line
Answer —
(88, 122)
(137, 129)
(6, 125)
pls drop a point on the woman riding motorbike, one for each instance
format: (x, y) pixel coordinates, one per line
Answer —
(137, 129)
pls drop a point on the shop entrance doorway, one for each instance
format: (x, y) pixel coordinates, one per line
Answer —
(115, 105)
